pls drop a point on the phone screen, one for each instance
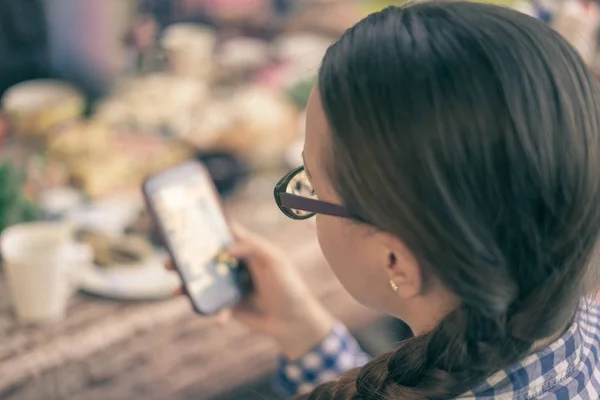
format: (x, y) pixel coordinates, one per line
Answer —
(198, 234)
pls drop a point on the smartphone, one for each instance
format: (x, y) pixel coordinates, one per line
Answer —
(187, 210)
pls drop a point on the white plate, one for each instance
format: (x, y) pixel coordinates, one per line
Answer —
(148, 281)
(110, 216)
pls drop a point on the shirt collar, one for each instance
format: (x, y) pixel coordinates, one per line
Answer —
(537, 372)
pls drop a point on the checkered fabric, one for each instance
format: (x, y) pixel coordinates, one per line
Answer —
(338, 353)
(567, 369)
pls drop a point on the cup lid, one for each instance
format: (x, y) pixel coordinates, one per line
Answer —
(34, 240)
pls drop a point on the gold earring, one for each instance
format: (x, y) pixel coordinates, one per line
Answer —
(393, 285)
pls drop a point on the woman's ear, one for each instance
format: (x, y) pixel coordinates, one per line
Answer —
(406, 277)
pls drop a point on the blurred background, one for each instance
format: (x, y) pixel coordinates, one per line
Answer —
(97, 95)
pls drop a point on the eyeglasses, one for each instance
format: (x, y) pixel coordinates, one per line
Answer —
(296, 198)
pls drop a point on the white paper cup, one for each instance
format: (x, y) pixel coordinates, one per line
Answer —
(39, 260)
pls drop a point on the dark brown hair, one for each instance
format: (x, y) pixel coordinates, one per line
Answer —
(471, 132)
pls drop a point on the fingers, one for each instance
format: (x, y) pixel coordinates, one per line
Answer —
(179, 291)
(223, 317)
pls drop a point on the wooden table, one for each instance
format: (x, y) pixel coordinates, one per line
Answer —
(157, 350)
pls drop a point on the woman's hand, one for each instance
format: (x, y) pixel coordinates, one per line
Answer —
(281, 305)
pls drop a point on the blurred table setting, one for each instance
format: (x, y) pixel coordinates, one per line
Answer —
(106, 347)
(87, 309)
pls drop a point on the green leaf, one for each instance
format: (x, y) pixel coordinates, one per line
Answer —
(14, 206)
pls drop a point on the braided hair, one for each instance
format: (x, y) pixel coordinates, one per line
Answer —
(471, 132)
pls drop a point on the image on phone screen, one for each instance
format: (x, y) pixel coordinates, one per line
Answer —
(198, 236)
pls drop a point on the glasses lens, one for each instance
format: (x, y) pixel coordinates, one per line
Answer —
(300, 186)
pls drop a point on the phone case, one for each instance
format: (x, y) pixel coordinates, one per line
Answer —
(226, 290)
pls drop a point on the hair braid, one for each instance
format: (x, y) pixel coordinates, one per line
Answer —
(464, 349)
(440, 364)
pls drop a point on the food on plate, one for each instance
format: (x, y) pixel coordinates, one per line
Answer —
(255, 123)
(127, 250)
(35, 107)
(43, 174)
(153, 102)
(102, 177)
(266, 124)
(208, 124)
(81, 139)
(102, 161)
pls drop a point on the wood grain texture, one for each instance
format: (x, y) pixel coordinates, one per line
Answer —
(157, 350)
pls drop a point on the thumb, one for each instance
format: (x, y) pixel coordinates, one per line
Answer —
(249, 247)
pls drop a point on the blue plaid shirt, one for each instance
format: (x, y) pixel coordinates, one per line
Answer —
(567, 369)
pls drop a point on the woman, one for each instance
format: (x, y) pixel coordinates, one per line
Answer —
(454, 150)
